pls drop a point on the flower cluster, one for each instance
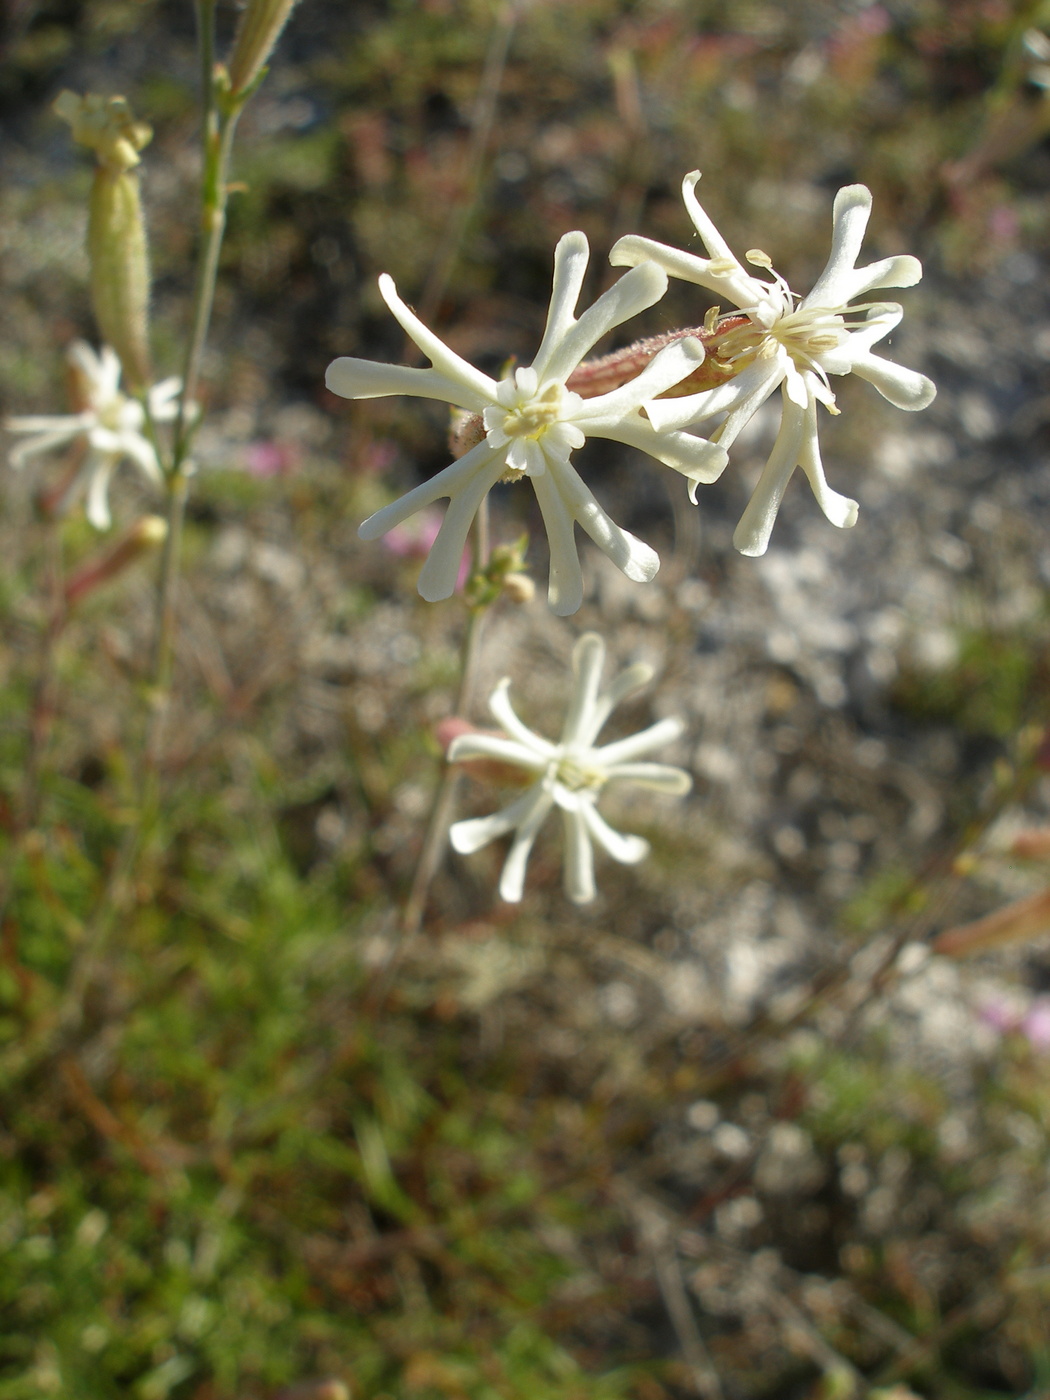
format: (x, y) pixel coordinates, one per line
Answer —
(787, 342)
(108, 422)
(530, 422)
(570, 775)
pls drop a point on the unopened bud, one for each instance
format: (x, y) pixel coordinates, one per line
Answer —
(519, 588)
(146, 535)
(117, 245)
(259, 29)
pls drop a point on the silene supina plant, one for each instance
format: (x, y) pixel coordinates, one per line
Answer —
(570, 775)
(528, 424)
(779, 339)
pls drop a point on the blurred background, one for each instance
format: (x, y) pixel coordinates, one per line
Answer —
(743, 1128)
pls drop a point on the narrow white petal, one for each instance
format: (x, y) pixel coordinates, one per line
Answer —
(570, 268)
(738, 417)
(628, 850)
(23, 452)
(663, 372)
(631, 679)
(905, 388)
(81, 356)
(664, 731)
(108, 381)
(444, 360)
(840, 510)
(471, 835)
(578, 871)
(512, 880)
(506, 717)
(437, 578)
(467, 746)
(660, 777)
(630, 555)
(635, 291)
(99, 470)
(162, 399)
(755, 383)
(68, 424)
(446, 483)
(565, 581)
(588, 659)
(697, 459)
(756, 524)
(368, 379)
(849, 222)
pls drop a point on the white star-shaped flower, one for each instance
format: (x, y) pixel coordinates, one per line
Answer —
(532, 423)
(109, 422)
(569, 775)
(791, 342)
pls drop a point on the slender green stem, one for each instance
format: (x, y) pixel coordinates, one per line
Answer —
(436, 835)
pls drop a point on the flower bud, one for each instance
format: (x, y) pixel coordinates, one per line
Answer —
(260, 26)
(146, 535)
(519, 588)
(117, 246)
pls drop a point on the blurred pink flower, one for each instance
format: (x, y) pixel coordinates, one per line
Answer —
(271, 458)
(413, 538)
(1035, 1024)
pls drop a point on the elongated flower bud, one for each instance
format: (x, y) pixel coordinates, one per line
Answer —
(117, 246)
(145, 536)
(259, 29)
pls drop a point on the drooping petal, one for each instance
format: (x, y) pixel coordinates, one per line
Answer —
(698, 460)
(437, 578)
(664, 731)
(471, 835)
(518, 755)
(506, 717)
(627, 849)
(446, 483)
(756, 524)
(444, 360)
(352, 378)
(588, 659)
(636, 290)
(578, 867)
(512, 880)
(840, 510)
(849, 220)
(570, 267)
(905, 388)
(659, 777)
(98, 469)
(630, 555)
(565, 581)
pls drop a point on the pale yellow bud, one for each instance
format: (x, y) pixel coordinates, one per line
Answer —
(117, 246)
(260, 26)
(519, 588)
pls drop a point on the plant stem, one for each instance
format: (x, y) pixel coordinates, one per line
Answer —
(436, 836)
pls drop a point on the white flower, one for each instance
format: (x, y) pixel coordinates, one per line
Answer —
(532, 422)
(570, 775)
(110, 424)
(789, 342)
